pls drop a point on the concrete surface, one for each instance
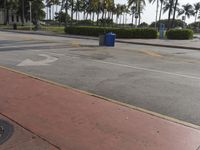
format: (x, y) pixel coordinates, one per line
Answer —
(158, 79)
(76, 121)
(23, 139)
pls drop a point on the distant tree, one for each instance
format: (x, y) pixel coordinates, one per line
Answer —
(161, 8)
(177, 23)
(174, 13)
(139, 5)
(37, 12)
(196, 10)
(143, 25)
(133, 11)
(186, 10)
(61, 17)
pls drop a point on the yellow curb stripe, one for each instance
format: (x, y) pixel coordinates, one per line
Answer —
(109, 100)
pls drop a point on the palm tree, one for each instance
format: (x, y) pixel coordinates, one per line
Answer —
(133, 11)
(9, 6)
(196, 10)
(174, 13)
(49, 3)
(186, 10)
(65, 5)
(169, 6)
(161, 8)
(139, 6)
(118, 12)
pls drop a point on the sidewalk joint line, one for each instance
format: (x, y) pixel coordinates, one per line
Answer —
(30, 131)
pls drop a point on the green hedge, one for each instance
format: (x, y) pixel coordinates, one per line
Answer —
(120, 33)
(179, 34)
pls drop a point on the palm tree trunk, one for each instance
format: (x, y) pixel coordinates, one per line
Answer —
(7, 16)
(93, 16)
(157, 6)
(53, 12)
(123, 20)
(76, 15)
(102, 15)
(86, 17)
(97, 18)
(49, 12)
(90, 16)
(22, 17)
(132, 18)
(66, 11)
(169, 14)
(161, 7)
(5, 12)
(139, 14)
(139, 19)
(72, 11)
(174, 15)
(196, 16)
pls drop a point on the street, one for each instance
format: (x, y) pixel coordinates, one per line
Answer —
(162, 80)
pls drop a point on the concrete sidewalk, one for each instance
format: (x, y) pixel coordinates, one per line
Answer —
(182, 44)
(74, 120)
(23, 139)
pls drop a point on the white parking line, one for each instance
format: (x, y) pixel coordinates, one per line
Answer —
(139, 68)
(149, 70)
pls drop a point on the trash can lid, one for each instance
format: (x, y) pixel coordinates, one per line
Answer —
(110, 33)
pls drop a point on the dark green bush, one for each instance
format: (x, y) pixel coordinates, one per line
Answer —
(177, 23)
(120, 33)
(180, 34)
(84, 22)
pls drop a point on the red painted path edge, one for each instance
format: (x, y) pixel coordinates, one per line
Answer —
(72, 120)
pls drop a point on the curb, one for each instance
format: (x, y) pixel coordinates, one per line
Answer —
(161, 45)
(155, 114)
(93, 38)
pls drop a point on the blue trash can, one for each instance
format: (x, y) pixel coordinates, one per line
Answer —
(110, 39)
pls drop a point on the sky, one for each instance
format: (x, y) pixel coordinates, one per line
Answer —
(149, 12)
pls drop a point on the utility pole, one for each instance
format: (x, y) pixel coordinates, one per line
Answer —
(30, 4)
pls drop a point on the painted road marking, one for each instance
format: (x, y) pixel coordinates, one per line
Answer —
(149, 70)
(140, 68)
(49, 59)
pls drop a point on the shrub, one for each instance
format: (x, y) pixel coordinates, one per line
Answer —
(143, 25)
(84, 22)
(120, 33)
(105, 21)
(180, 34)
(177, 23)
(194, 26)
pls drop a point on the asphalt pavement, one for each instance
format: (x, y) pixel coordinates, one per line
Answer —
(162, 80)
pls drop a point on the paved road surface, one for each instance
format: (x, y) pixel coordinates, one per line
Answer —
(162, 80)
